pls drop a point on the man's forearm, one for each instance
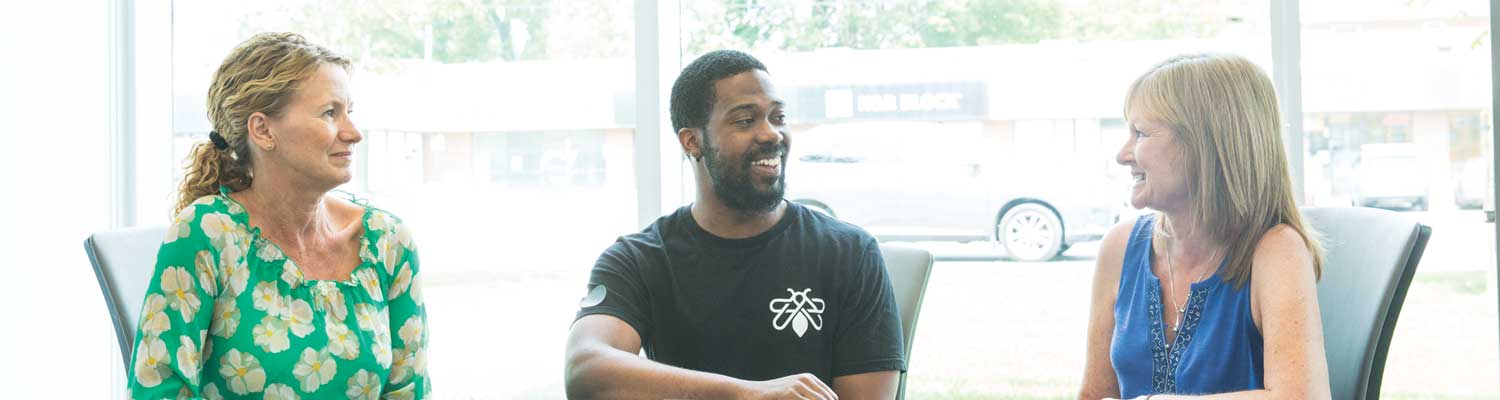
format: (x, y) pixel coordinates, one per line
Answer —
(614, 374)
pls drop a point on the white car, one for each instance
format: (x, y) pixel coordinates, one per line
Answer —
(1391, 176)
(904, 180)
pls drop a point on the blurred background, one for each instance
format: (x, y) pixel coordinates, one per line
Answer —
(519, 138)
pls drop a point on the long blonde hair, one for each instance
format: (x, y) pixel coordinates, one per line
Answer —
(260, 75)
(1223, 110)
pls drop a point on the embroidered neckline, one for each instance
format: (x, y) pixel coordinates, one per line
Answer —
(1165, 359)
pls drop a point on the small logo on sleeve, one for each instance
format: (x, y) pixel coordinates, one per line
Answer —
(594, 298)
(797, 310)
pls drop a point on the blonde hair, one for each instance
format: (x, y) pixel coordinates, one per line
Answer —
(260, 75)
(1222, 109)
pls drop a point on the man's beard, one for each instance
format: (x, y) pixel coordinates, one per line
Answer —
(734, 188)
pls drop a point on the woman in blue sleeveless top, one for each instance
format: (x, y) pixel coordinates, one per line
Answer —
(1212, 295)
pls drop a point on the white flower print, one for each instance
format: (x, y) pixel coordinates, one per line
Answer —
(403, 236)
(226, 317)
(390, 253)
(208, 350)
(341, 340)
(418, 362)
(298, 317)
(210, 392)
(177, 285)
(270, 335)
(331, 299)
(400, 367)
(291, 274)
(314, 369)
(153, 320)
(405, 364)
(269, 253)
(405, 393)
(411, 332)
(233, 272)
(365, 254)
(369, 281)
(268, 299)
(242, 372)
(380, 222)
(371, 318)
(204, 265)
(364, 385)
(181, 225)
(416, 289)
(403, 280)
(151, 361)
(381, 348)
(279, 391)
(220, 228)
(188, 359)
(203, 201)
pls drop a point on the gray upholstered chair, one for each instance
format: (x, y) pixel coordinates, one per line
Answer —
(1371, 256)
(909, 269)
(123, 262)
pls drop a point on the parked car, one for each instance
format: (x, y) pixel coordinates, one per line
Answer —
(1391, 176)
(904, 180)
(1473, 183)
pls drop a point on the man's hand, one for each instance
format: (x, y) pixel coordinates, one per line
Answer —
(800, 386)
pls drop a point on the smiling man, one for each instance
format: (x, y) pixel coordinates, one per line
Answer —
(741, 294)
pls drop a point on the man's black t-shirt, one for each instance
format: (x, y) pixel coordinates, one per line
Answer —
(809, 295)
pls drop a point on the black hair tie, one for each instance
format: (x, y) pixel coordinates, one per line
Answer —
(219, 142)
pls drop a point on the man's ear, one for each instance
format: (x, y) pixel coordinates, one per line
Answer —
(691, 141)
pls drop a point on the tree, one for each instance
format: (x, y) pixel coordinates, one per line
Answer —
(454, 31)
(803, 25)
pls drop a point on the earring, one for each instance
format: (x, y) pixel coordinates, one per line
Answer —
(270, 146)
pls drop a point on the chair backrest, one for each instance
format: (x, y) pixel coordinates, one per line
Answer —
(123, 262)
(908, 269)
(1370, 257)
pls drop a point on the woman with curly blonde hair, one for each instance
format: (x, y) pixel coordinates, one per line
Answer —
(267, 285)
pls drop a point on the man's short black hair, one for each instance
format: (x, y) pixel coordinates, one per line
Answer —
(693, 92)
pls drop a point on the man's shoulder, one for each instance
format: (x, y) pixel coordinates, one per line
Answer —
(649, 240)
(830, 229)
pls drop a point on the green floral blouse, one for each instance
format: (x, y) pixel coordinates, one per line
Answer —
(227, 315)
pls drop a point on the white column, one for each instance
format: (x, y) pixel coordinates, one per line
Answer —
(1286, 73)
(155, 170)
(657, 168)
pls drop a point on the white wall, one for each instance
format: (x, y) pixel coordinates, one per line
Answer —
(54, 159)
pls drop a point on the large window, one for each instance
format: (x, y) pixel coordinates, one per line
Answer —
(984, 131)
(505, 132)
(1396, 114)
(500, 130)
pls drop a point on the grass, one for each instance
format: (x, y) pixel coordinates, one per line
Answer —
(1459, 282)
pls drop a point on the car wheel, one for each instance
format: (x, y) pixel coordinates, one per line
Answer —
(1030, 232)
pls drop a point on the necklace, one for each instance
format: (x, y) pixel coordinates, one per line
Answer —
(1172, 281)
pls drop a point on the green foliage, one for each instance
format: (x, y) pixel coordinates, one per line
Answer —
(456, 31)
(802, 25)
(795, 25)
(467, 30)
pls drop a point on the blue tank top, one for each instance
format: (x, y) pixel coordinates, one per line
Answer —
(1217, 347)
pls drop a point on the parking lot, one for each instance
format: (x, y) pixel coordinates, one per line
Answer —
(989, 329)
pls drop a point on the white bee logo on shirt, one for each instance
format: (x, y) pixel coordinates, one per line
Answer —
(797, 310)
